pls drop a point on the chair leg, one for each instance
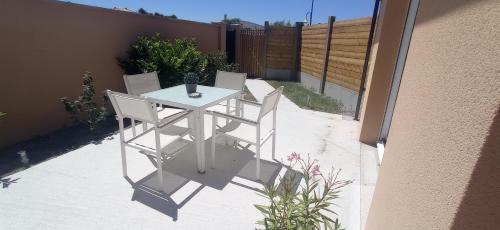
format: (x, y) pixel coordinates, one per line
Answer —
(133, 127)
(274, 144)
(227, 110)
(159, 160)
(214, 137)
(274, 134)
(257, 153)
(122, 147)
(242, 110)
(144, 126)
(257, 167)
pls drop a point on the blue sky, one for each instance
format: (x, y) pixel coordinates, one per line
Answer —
(256, 11)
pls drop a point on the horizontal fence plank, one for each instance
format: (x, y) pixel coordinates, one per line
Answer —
(317, 55)
(345, 66)
(351, 61)
(350, 29)
(358, 21)
(311, 62)
(314, 46)
(317, 26)
(314, 36)
(362, 34)
(350, 42)
(355, 75)
(347, 54)
(314, 32)
(358, 49)
(314, 42)
(314, 60)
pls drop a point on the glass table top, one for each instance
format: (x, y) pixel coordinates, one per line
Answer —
(177, 96)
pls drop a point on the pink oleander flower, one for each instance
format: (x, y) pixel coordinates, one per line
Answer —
(315, 170)
(294, 157)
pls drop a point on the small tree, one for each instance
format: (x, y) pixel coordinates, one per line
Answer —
(142, 11)
(282, 23)
(231, 20)
(84, 109)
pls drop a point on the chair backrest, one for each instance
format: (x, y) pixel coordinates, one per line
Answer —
(230, 80)
(131, 106)
(138, 84)
(270, 102)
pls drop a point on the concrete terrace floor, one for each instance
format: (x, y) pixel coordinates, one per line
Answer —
(84, 188)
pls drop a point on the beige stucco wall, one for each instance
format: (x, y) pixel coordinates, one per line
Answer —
(441, 168)
(46, 46)
(382, 62)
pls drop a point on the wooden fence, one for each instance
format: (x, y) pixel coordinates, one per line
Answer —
(280, 48)
(250, 51)
(312, 49)
(260, 52)
(348, 45)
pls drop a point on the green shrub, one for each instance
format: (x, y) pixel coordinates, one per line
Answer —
(172, 60)
(216, 61)
(84, 109)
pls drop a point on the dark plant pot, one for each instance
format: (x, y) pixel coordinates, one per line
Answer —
(191, 88)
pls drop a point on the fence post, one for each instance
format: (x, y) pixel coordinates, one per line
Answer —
(331, 20)
(237, 45)
(296, 51)
(264, 54)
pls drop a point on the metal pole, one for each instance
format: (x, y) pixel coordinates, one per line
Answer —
(311, 15)
(367, 57)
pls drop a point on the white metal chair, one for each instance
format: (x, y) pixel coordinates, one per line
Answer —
(237, 127)
(138, 84)
(231, 80)
(165, 132)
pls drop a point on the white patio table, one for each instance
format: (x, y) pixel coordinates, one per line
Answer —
(177, 97)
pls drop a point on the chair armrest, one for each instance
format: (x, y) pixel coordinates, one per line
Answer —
(240, 119)
(249, 102)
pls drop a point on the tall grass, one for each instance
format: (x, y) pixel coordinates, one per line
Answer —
(306, 98)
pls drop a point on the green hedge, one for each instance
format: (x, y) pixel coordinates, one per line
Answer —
(172, 60)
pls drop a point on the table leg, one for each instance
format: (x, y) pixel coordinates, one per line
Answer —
(200, 139)
(237, 107)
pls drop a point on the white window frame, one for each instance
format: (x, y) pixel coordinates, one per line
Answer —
(397, 75)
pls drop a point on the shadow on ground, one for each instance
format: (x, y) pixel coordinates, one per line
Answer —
(26, 154)
(234, 166)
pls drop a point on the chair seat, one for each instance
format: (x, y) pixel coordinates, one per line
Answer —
(168, 135)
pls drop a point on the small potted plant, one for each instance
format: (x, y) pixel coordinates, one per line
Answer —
(191, 81)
